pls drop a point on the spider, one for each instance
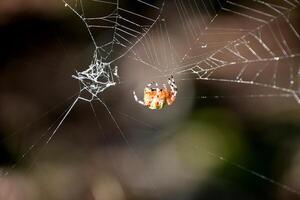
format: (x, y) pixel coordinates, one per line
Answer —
(156, 98)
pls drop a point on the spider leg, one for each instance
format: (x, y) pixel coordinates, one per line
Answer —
(137, 99)
(149, 85)
(157, 91)
(165, 87)
(173, 86)
(169, 82)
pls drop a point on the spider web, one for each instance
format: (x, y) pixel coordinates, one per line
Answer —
(260, 49)
(125, 27)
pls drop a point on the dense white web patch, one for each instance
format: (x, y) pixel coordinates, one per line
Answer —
(97, 77)
(126, 29)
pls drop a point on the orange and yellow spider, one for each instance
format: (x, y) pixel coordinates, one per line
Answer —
(156, 98)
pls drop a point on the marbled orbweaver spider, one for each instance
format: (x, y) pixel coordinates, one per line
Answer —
(156, 98)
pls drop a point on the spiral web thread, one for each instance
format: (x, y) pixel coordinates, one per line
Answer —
(259, 48)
